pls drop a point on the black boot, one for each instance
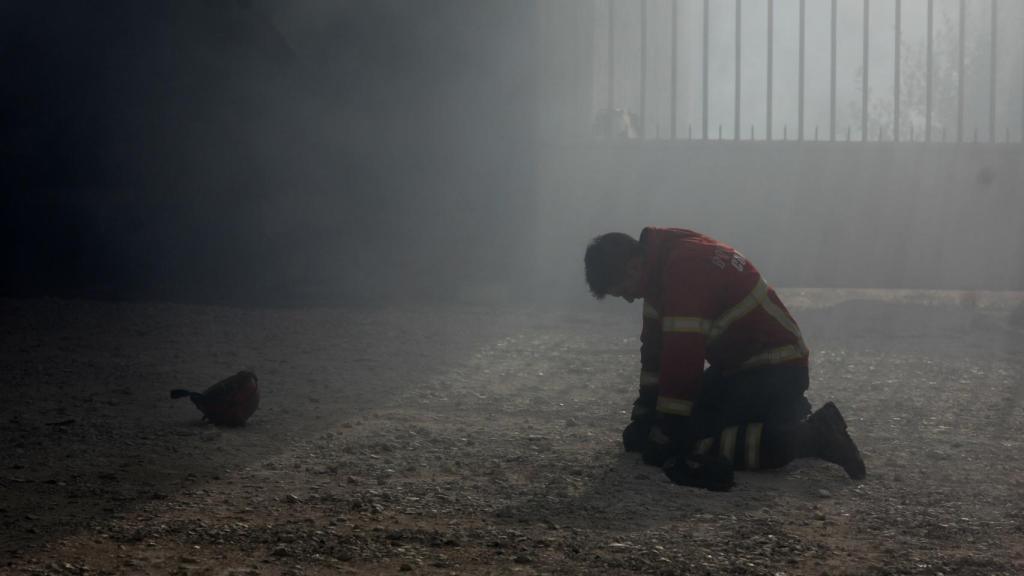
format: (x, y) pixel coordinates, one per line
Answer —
(824, 436)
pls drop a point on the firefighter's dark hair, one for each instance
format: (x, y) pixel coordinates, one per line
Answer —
(606, 259)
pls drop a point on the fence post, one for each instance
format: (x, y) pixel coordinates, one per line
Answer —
(864, 83)
(611, 55)
(960, 73)
(771, 63)
(992, 73)
(832, 99)
(928, 74)
(643, 69)
(739, 44)
(704, 68)
(896, 74)
(673, 96)
(800, 94)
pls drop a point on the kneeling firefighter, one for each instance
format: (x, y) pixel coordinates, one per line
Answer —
(705, 304)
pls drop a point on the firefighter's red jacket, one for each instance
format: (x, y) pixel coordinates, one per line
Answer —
(704, 301)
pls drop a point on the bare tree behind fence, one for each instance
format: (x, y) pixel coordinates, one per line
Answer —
(821, 70)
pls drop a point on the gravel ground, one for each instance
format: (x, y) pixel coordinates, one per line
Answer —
(469, 440)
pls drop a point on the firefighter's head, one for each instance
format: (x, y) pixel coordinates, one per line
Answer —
(614, 262)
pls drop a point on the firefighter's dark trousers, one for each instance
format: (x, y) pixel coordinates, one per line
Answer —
(750, 418)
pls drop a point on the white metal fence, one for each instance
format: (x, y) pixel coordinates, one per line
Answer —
(895, 70)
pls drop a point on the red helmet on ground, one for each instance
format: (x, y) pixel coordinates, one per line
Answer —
(229, 402)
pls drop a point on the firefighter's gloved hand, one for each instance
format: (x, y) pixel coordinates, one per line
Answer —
(634, 437)
(644, 407)
(711, 472)
(669, 436)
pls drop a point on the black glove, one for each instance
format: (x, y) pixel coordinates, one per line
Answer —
(671, 435)
(634, 437)
(644, 407)
(711, 472)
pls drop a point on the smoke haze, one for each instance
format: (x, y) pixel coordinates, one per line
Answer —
(267, 152)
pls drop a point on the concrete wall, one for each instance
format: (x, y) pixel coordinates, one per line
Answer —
(808, 214)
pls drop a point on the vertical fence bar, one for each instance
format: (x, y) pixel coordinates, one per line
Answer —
(739, 44)
(961, 41)
(896, 74)
(704, 70)
(928, 73)
(674, 81)
(864, 84)
(611, 55)
(992, 74)
(832, 93)
(643, 69)
(800, 80)
(771, 64)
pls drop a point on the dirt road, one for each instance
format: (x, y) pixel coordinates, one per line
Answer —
(475, 441)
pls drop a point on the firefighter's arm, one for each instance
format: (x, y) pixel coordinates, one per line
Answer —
(650, 365)
(685, 323)
(679, 384)
(684, 328)
(642, 417)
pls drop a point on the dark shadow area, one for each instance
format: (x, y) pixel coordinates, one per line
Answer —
(254, 152)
